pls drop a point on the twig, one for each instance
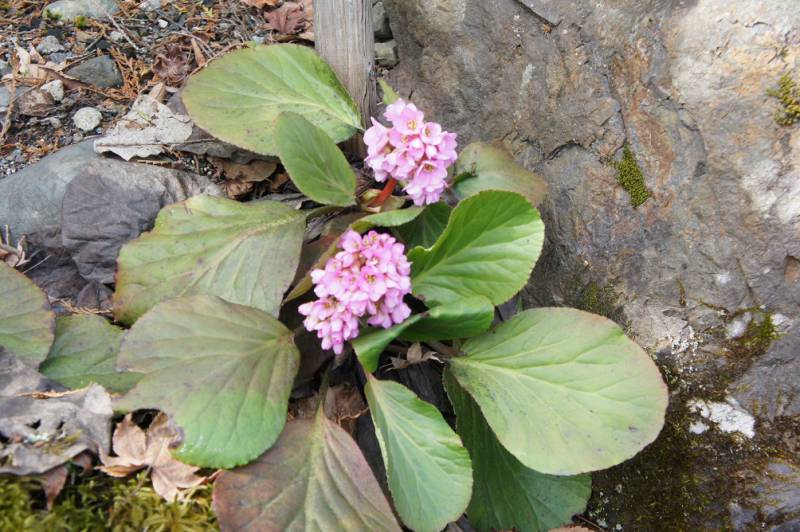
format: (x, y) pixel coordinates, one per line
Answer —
(444, 349)
(122, 31)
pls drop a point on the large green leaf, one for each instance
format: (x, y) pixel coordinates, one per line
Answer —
(429, 471)
(85, 351)
(314, 478)
(245, 253)
(565, 391)
(314, 162)
(486, 167)
(507, 495)
(238, 97)
(222, 371)
(362, 225)
(460, 319)
(488, 249)
(427, 227)
(26, 320)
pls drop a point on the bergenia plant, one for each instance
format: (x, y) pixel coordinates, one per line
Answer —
(223, 318)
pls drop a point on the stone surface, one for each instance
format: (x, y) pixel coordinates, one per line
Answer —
(386, 54)
(100, 71)
(565, 85)
(380, 22)
(55, 88)
(49, 45)
(87, 118)
(69, 9)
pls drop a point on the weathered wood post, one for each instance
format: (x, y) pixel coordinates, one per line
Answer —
(343, 37)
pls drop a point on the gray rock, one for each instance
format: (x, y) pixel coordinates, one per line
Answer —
(5, 68)
(34, 102)
(151, 5)
(5, 98)
(100, 71)
(103, 210)
(30, 200)
(386, 54)
(70, 9)
(55, 88)
(565, 85)
(380, 22)
(87, 118)
(49, 45)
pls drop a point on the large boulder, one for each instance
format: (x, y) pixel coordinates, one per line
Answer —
(671, 98)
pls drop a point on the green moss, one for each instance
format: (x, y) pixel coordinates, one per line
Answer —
(99, 502)
(788, 93)
(81, 22)
(51, 15)
(631, 178)
(757, 338)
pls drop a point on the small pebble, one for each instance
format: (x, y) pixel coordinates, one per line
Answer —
(55, 88)
(87, 118)
(54, 122)
(117, 36)
(49, 45)
(151, 5)
(162, 23)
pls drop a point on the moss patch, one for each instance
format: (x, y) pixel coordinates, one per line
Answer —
(99, 502)
(788, 93)
(631, 178)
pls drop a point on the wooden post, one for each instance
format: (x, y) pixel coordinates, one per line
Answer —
(343, 37)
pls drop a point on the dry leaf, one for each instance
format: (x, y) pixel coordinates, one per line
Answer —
(414, 355)
(54, 481)
(171, 65)
(261, 3)
(288, 19)
(14, 256)
(344, 404)
(136, 450)
(145, 130)
(240, 179)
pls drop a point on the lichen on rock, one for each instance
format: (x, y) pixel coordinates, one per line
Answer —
(788, 93)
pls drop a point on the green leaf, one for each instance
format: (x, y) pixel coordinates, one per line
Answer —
(461, 319)
(245, 253)
(26, 320)
(427, 227)
(489, 248)
(597, 399)
(315, 163)
(238, 97)
(223, 372)
(389, 94)
(362, 225)
(314, 478)
(85, 351)
(429, 471)
(486, 167)
(507, 495)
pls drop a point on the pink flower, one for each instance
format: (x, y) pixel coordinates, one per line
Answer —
(369, 277)
(402, 150)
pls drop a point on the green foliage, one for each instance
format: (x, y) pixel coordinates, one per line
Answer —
(81, 22)
(238, 97)
(489, 248)
(577, 368)
(98, 503)
(428, 469)
(223, 372)
(314, 478)
(243, 253)
(85, 351)
(52, 15)
(26, 320)
(316, 165)
(507, 494)
(426, 228)
(631, 178)
(461, 319)
(481, 166)
(788, 93)
(389, 95)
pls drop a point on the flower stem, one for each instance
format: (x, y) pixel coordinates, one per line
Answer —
(385, 193)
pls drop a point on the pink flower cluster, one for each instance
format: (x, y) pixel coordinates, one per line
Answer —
(370, 276)
(412, 151)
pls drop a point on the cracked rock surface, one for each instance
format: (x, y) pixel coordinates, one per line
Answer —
(565, 86)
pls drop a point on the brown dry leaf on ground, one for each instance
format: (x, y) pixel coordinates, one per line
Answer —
(288, 19)
(261, 3)
(53, 483)
(344, 405)
(172, 65)
(136, 450)
(240, 179)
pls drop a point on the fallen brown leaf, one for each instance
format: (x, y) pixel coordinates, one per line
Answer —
(344, 405)
(261, 3)
(288, 19)
(171, 65)
(54, 481)
(136, 450)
